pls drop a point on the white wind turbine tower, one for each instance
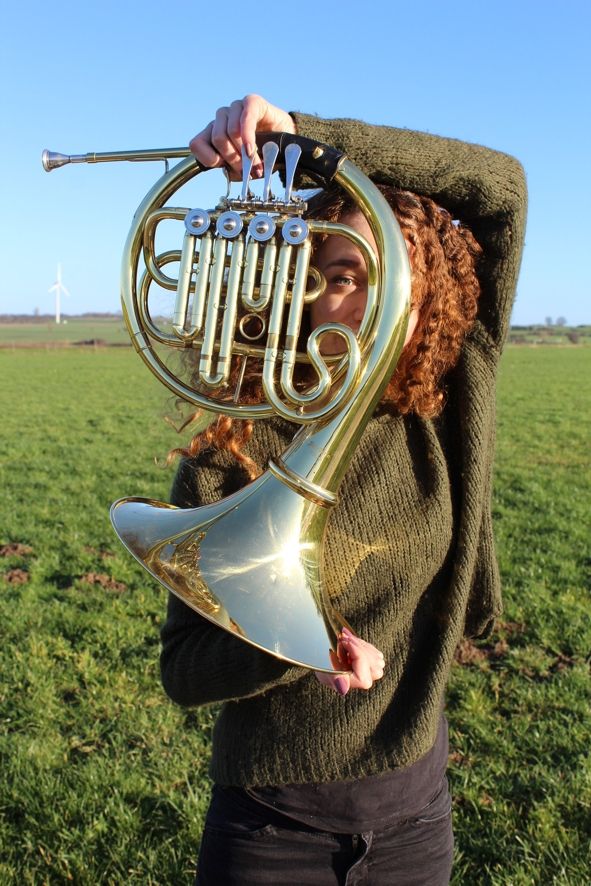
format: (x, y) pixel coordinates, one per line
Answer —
(58, 287)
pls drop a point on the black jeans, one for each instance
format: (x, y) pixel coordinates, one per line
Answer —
(247, 844)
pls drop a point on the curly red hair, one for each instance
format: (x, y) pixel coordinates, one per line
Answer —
(445, 292)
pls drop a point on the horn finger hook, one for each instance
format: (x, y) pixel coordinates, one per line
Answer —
(246, 172)
(228, 181)
(270, 153)
(292, 155)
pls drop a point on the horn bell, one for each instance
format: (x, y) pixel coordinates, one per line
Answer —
(250, 563)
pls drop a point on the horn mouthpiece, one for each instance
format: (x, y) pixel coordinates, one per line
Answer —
(53, 160)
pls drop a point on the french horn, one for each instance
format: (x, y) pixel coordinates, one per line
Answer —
(252, 563)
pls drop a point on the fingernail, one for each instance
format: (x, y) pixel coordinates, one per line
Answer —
(341, 684)
(347, 633)
(250, 149)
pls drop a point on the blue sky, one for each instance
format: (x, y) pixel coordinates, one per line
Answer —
(77, 77)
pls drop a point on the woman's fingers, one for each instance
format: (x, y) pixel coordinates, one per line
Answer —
(252, 117)
(227, 150)
(339, 682)
(360, 664)
(203, 149)
(220, 143)
(365, 664)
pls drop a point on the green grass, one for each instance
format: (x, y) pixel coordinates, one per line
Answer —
(102, 780)
(47, 333)
(520, 711)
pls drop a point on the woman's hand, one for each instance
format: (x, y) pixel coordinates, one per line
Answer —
(364, 661)
(220, 143)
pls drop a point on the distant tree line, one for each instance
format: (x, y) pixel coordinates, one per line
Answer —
(50, 318)
(550, 333)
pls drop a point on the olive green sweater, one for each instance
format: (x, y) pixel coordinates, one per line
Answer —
(410, 551)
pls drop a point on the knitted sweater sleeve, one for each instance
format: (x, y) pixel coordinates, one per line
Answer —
(201, 663)
(484, 189)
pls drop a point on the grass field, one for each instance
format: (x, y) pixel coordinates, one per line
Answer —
(48, 334)
(102, 780)
(109, 329)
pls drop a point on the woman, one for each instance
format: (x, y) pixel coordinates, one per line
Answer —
(349, 786)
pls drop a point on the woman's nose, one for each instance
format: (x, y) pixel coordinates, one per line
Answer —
(358, 311)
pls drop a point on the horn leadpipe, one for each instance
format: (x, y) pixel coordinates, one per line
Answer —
(53, 159)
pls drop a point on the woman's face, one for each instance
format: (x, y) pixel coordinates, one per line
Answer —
(345, 296)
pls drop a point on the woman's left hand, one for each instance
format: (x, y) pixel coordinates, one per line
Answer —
(364, 663)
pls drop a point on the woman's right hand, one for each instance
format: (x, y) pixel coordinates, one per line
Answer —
(363, 663)
(235, 126)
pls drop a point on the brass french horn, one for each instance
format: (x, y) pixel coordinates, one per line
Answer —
(252, 562)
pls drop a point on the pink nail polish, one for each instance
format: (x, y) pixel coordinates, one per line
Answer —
(341, 685)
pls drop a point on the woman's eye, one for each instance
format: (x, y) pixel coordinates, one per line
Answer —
(343, 280)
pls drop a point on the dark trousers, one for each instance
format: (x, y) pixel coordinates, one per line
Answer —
(248, 844)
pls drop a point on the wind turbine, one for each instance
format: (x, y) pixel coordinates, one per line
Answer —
(58, 287)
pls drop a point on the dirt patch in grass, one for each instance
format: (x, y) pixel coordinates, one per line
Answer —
(98, 552)
(511, 627)
(104, 581)
(16, 576)
(469, 653)
(15, 549)
(563, 663)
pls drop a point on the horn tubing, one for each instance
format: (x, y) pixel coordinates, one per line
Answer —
(293, 331)
(199, 298)
(267, 276)
(249, 276)
(353, 181)
(179, 319)
(231, 311)
(213, 310)
(53, 159)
